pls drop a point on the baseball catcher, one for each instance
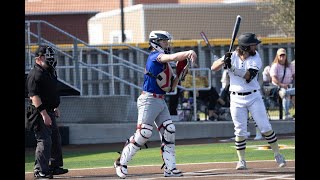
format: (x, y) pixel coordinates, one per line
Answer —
(152, 108)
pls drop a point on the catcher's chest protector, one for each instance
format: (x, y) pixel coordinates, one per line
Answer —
(165, 78)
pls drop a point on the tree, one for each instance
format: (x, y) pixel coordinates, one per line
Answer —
(282, 15)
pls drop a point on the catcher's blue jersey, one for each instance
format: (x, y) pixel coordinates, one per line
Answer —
(154, 67)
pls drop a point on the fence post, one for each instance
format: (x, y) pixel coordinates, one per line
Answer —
(76, 63)
(280, 107)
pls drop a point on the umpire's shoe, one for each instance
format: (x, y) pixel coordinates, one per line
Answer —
(172, 173)
(59, 170)
(40, 175)
(121, 170)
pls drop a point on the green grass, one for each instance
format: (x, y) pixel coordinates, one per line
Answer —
(213, 152)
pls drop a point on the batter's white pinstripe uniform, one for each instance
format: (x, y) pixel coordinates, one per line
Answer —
(243, 66)
(246, 96)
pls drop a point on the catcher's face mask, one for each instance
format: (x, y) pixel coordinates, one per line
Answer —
(166, 45)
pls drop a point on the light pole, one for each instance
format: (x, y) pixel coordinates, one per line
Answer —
(123, 35)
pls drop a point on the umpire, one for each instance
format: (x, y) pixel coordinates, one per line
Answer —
(42, 112)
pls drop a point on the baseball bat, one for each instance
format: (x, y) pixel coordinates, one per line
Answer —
(204, 37)
(234, 33)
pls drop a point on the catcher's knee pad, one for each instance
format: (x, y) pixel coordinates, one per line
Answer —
(240, 142)
(270, 136)
(143, 133)
(168, 133)
(140, 137)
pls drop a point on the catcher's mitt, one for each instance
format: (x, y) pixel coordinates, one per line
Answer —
(182, 69)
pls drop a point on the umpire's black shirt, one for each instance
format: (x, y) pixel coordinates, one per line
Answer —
(44, 83)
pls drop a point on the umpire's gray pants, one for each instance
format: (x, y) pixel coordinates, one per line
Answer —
(48, 146)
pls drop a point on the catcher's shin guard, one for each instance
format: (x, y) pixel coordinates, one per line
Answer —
(168, 156)
(140, 137)
(168, 146)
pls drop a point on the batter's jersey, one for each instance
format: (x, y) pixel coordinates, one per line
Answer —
(239, 84)
(155, 67)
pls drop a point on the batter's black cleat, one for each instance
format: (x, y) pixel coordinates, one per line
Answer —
(40, 175)
(59, 170)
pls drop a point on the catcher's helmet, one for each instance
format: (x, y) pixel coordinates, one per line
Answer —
(247, 39)
(48, 52)
(156, 36)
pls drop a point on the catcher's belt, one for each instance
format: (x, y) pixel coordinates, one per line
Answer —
(161, 96)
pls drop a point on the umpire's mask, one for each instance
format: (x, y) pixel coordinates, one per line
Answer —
(49, 55)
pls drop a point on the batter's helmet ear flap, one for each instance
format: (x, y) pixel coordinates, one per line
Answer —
(244, 48)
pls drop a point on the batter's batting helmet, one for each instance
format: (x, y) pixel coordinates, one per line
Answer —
(156, 36)
(246, 40)
(48, 52)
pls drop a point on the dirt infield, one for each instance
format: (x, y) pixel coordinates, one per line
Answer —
(258, 170)
(217, 171)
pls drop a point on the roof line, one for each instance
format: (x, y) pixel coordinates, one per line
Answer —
(63, 13)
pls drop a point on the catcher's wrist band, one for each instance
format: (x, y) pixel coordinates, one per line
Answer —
(41, 108)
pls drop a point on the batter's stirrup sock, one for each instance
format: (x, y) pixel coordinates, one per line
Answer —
(272, 139)
(163, 165)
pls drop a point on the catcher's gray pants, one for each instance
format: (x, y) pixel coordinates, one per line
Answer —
(152, 109)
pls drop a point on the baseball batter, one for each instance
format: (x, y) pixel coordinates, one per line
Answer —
(243, 66)
(152, 108)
